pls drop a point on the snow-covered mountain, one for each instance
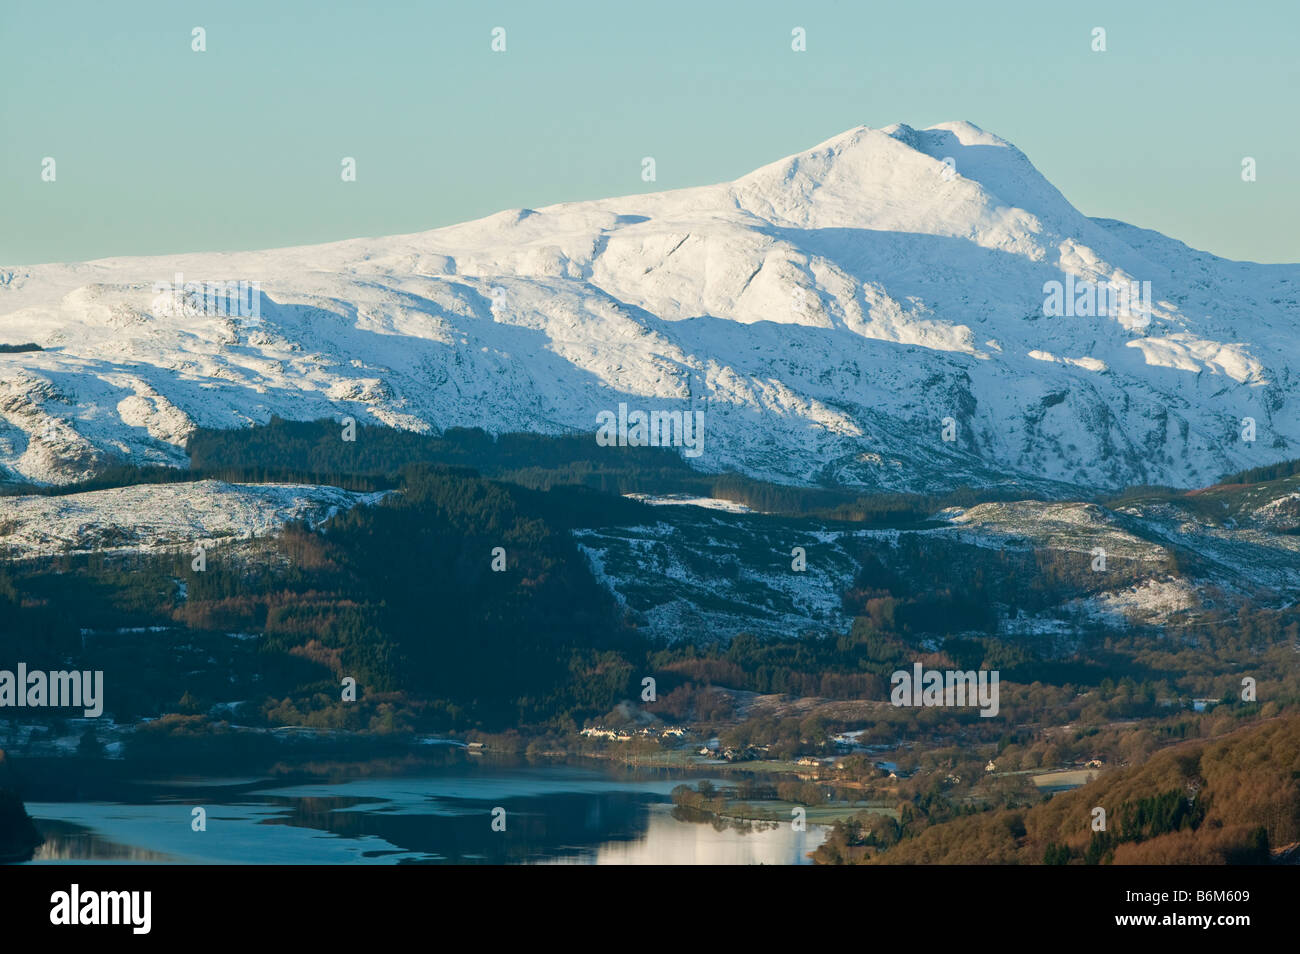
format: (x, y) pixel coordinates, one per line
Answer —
(826, 312)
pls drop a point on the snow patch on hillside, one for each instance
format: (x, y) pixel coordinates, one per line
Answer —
(159, 515)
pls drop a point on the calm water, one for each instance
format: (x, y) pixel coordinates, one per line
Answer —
(554, 815)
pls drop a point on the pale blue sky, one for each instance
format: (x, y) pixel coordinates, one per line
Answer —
(161, 149)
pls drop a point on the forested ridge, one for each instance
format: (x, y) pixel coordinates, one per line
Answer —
(1226, 800)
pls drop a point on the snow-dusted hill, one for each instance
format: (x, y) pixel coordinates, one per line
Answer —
(162, 515)
(827, 312)
(709, 573)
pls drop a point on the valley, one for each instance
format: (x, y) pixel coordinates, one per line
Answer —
(770, 671)
(715, 491)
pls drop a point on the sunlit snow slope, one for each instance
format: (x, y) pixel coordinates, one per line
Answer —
(827, 312)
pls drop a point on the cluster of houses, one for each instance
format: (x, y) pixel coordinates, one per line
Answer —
(625, 735)
(748, 753)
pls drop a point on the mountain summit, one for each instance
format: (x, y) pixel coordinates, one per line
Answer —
(877, 311)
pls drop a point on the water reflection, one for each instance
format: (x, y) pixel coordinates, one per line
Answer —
(670, 840)
(67, 842)
(554, 814)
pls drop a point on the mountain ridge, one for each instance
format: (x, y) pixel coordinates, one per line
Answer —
(830, 311)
